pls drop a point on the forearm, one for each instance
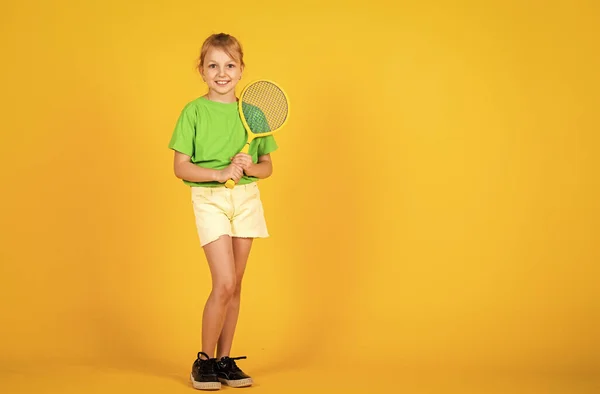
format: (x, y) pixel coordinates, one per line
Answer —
(260, 170)
(192, 173)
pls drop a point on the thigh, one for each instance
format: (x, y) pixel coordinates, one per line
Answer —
(219, 254)
(241, 252)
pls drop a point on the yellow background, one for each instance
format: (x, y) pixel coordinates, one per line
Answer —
(433, 210)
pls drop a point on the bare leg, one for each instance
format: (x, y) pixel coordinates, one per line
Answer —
(241, 251)
(222, 268)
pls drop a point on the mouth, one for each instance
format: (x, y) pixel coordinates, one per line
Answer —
(222, 83)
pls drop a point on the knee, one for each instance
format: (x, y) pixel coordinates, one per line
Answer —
(224, 291)
(238, 289)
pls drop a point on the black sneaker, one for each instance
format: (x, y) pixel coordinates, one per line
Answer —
(230, 374)
(203, 374)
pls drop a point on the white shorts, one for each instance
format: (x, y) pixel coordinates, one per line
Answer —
(236, 212)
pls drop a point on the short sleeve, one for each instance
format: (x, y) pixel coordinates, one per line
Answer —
(266, 145)
(184, 134)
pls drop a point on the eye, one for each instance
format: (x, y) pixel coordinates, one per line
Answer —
(231, 65)
(212, 65)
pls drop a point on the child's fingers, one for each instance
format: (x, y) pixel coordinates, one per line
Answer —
(241, 161)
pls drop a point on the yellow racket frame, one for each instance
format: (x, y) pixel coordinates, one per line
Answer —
(251, 136)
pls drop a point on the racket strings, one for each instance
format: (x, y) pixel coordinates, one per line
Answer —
(265, 107)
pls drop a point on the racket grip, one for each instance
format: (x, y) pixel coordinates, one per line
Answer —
(230, 184)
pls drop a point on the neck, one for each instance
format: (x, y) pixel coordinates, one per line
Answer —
(220, 98)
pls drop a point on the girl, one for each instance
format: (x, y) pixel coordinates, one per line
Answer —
(206, 141)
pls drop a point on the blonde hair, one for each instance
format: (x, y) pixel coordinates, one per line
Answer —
(227, 43)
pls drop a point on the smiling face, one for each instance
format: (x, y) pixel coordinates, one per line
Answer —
(221, 73)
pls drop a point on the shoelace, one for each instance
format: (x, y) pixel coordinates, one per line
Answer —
(207, 364)
(230, 361)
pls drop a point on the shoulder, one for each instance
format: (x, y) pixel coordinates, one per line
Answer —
(250, 110)
(193, 110)
(194, 105)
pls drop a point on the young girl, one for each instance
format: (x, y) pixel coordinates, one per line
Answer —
(206, 141)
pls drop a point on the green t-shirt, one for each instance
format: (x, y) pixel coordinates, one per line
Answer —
(211, 133)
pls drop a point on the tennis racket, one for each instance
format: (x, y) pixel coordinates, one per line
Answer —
(264, 109)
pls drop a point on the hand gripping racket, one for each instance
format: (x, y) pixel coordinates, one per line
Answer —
(264, 110)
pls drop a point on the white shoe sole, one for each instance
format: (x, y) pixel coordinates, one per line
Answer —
(237, 383)
(205, 385)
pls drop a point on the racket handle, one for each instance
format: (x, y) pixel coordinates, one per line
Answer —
(231, 183)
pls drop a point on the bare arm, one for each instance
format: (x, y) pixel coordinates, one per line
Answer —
(262, 169)
(186, 170)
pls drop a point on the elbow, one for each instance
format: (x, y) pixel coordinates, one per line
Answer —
(177, 171)
(270, 169)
